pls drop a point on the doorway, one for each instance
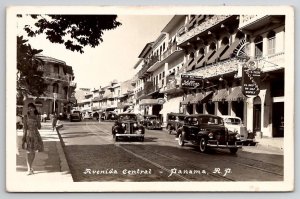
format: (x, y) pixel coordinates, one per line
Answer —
(278, 119)
(257, 114)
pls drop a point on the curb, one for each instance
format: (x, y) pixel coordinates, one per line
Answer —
(62, 156)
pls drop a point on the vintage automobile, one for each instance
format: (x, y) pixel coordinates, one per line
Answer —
(174, 121)
(75, 116)
(235, 124)
(208, 131)
(127, 126)
(108, 115)
(151, 122)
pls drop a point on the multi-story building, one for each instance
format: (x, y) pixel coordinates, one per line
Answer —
(125, 99)
(58, 96)
(210, 41)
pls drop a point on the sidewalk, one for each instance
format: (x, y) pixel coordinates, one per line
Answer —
(49, 166)
(267, 145)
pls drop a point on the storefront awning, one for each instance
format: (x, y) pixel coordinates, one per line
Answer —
(197, 98)
(172, 105)
(222, 95)
(236, 95)
(206, 97)
(188, 99)
(148, 102)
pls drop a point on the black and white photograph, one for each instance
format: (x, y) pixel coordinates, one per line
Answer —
(150, 99)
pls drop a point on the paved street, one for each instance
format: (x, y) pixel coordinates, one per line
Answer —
(93, 155)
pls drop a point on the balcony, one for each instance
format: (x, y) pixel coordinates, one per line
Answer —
(220, 68)
(55, 76)
(184, 35)
(271, 62)
(73, 84)
(143, 72)
(150, 88)
(50, 95)
(250, 23)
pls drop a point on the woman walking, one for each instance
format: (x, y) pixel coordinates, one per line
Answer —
(32, 141)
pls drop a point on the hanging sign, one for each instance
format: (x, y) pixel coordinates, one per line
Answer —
(250, 80)
(191, 81)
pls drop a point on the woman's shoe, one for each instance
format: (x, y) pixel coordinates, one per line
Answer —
(30, 172)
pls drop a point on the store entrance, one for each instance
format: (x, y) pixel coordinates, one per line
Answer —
(210, 108)
(278, 119)
(257, 114)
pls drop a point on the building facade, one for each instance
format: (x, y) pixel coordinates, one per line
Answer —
(58, 97)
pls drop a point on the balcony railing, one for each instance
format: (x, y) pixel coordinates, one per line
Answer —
(146, 66)
(169, 51)
(248, 19)
(271, 62)
(219, 68)
(150, 87)
(55, 76)
(207, 24)
(59, 96)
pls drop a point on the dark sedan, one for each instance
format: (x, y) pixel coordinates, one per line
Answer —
(127, 126)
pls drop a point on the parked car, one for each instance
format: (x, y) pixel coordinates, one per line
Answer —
(109, 115)
(128, 126)
(75, 116)
(208, 131)
(235, 124)
(87, 115)
(151, 122)
(174, 121)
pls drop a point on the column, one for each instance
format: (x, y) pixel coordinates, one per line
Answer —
(252, 47)
(194, 108)
(217, 112)
(249, 114)
(265, 45)
(279, 39)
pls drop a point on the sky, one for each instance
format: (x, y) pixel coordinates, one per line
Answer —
(112, 59)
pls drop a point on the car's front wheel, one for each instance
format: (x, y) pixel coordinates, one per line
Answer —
(181, 139)
(233, 150)
(203, 145)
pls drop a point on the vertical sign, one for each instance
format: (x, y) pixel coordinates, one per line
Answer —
(250, 81)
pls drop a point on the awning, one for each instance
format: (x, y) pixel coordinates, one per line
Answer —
(219, 52)
(222, 95)
(206, 97)
(205, 58)
(236, 95)
(172, 105)
(149, 102)
(188, 99)
(197, 98)
(230, 50)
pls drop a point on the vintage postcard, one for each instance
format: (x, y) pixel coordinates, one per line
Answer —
(150, 99)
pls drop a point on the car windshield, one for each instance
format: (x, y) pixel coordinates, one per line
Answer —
(232, 121)
(151, 118)
(127, 117)
(211, 120)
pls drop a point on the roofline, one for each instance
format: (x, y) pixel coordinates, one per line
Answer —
(137, 63)
(141, 55)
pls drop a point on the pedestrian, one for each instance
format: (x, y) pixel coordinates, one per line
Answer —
(54, 121)
(44, 117)
(31, 141)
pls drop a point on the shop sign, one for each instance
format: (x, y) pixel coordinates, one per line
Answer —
(191, 81)
(251, 81)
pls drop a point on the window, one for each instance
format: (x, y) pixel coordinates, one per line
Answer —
(159, 76)
(163, 74)
(271, 42)
(55, 88)
(56, 68)
(258, 46)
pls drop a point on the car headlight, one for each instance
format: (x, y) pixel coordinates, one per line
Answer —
(123, 125)
(238, 136)
(211, 135)
(135, 124)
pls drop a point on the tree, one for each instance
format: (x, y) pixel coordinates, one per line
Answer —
(29, 78)
(74, 31)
